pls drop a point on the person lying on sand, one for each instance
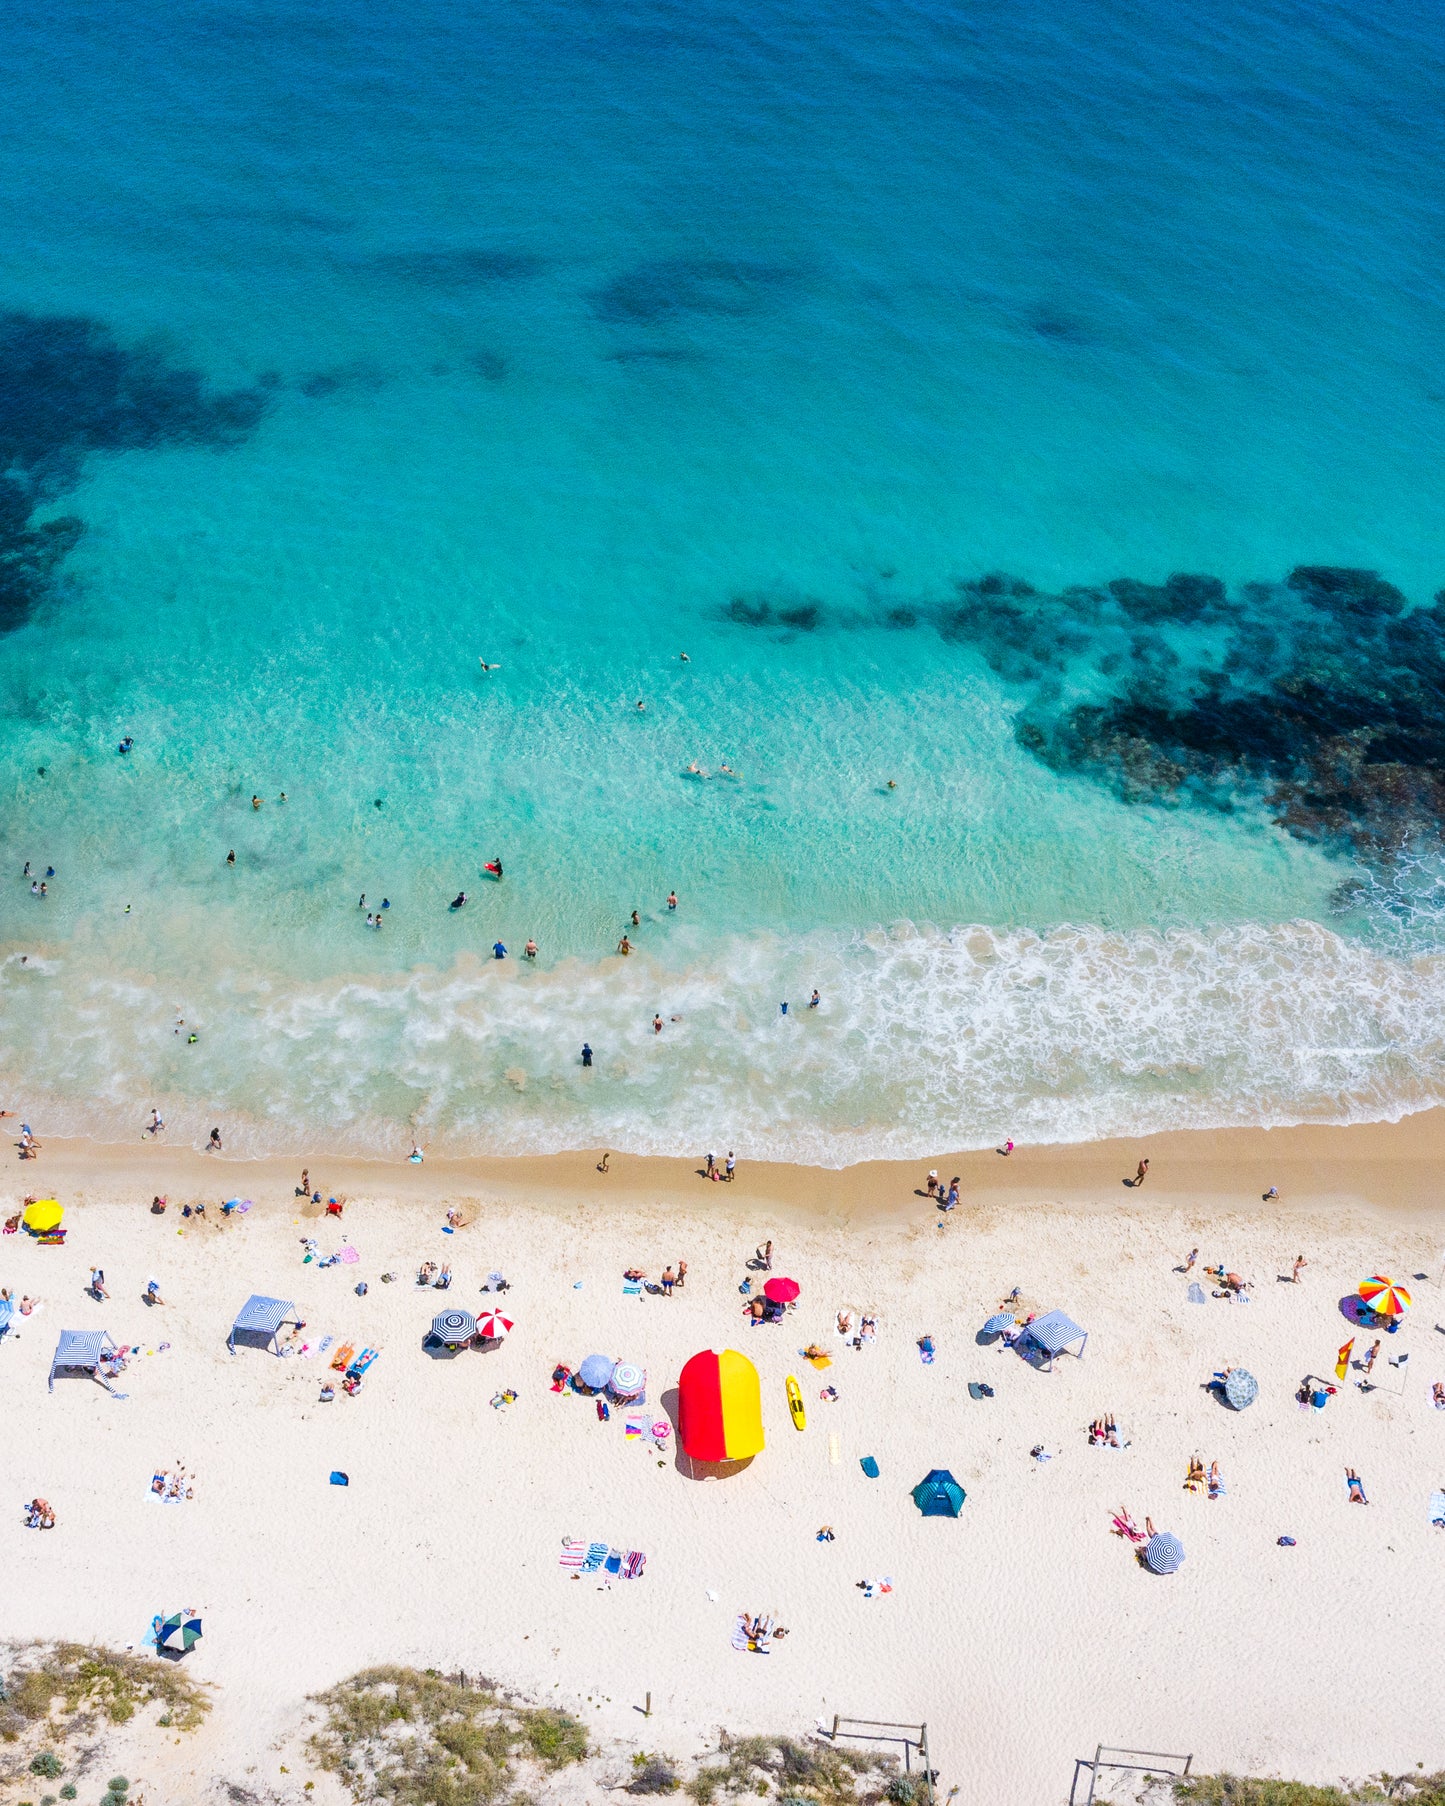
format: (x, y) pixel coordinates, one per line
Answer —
(1356, 1487)
(818, 1356)
(443, 1279)
(1194, 1479)
(845, 1323)
(633, 1274)
(1438, 1392)
(426, 1273)
(1125, 1526)
(39, 1515)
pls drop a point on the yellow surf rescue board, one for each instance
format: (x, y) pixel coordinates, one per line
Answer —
(795, 1404)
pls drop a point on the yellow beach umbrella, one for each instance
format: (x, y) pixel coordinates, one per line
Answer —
(43, 1215)
(1384, 1297)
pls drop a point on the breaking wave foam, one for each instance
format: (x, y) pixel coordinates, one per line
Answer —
(925, 1039)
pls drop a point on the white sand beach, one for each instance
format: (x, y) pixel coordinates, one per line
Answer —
(1024, 1632)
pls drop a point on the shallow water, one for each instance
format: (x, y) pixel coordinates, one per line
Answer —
(576, 339)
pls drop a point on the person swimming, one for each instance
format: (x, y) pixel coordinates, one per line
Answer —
(458, 901)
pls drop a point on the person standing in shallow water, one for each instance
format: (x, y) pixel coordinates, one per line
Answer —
(586, 1054)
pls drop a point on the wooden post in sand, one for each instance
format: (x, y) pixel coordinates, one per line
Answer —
(647, 1709)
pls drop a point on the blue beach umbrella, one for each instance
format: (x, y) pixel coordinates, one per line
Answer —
(595, 1372)
(1163, 1552)
(1241, 1388)
(1001, 1320)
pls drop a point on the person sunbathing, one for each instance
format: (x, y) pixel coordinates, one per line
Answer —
(845, 1323)
(757, 1309)
(443, 1279)
(1194, 1479)
(1216, 1484)
(1111, 1431)
(1438, 1393)
(426, 1273)
(40, 1515)
(633, 1274)
(818, 1356)
(1356, 1486)
(1124, 1525)
(868, 1328)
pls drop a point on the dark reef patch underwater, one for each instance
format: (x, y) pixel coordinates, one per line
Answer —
(1323, 697)
(68, 389)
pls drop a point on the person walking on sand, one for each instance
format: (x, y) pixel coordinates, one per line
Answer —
(681, 1274)
(1141, 1175)
(1189, 1261)
(764, 1257)
(1299, 1264)
(730, 1166)
(1368, 1364)
(97, 1285)
(156, 1123)
(303, 1190)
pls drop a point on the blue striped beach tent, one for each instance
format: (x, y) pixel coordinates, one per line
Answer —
(81, 1349)
(1055, 1333)
(259, 1320)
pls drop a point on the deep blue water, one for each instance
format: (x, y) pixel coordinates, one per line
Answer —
(579, 337)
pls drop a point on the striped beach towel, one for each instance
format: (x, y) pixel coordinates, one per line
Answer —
(633, 1564)
(574, 1552)
(1437, 1509)
(596, 1555)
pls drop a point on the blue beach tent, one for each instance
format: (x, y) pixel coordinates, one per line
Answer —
(259, 1320)
(81, 1349)
(1055, 1334)
(939, 1495)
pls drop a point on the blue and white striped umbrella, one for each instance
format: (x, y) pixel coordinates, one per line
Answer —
(1001, 1320)
(454, 1327)
(1163, 1552)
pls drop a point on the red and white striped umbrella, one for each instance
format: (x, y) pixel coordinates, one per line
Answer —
(492, 1326)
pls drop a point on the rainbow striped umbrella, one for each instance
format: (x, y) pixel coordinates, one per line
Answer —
(1384, 1297)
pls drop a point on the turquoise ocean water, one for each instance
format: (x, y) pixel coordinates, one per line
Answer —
(579, 337)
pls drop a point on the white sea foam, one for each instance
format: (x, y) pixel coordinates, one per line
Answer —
(924, 1039)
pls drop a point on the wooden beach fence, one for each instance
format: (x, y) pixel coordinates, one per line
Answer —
(1110, 1756)
(885, 1730)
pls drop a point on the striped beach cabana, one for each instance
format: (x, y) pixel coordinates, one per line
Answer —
(1055, 1333)
(81, 1349)
(258, 1321)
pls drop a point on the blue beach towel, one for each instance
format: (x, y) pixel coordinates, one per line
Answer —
(869, 1466)
(338, 1478)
